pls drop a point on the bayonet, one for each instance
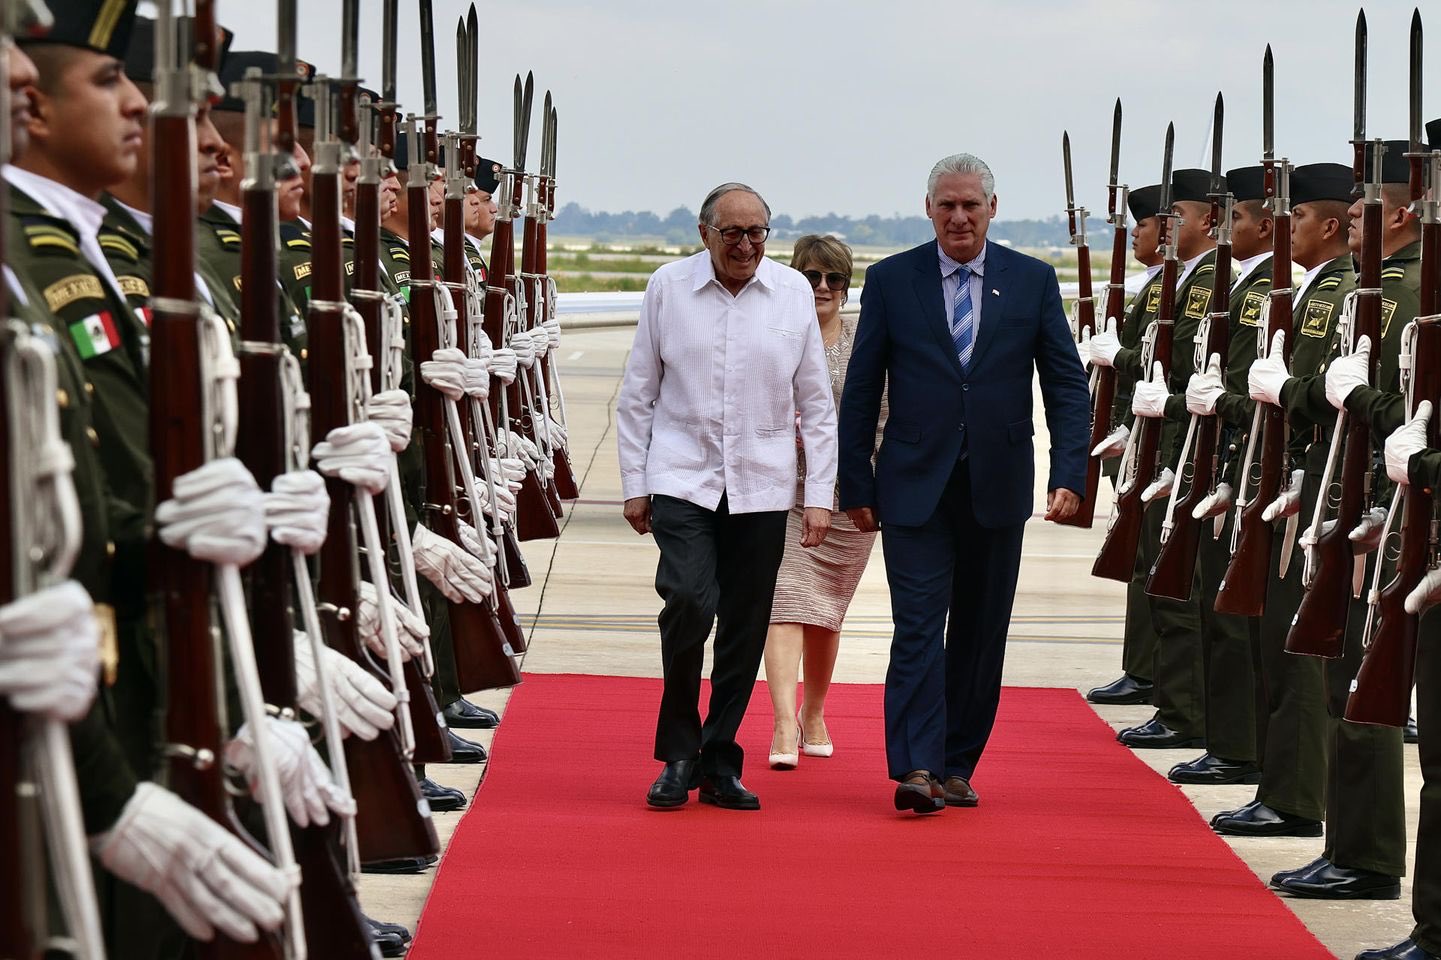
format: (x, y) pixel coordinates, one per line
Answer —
(1217, 122)
(554, 134)
(472, 59)
(522, 118)
(389, 16)
(349, 39)
(1165, 205)
(462, 73)
(1358, 108)
(1070, 189)
(547, 130)
(427, 58)
(1113, 184)
(1268, 107)
(1415, 100)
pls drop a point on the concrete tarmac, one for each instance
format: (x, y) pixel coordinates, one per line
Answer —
(592, 609)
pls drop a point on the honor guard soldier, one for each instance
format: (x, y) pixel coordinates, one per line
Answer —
(480, 211)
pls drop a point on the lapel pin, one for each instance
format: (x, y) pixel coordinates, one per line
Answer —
(995, 292)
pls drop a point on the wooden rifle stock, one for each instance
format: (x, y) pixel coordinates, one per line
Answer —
(480, 658)
(1117, 559)
(1174, 572)
(1243, 589)
(1381, 693)
(392, 821)
(1319, 627)
(1086, 321)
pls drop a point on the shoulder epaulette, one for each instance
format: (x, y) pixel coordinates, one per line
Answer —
(45, 235)
(115, 243)
(1204, 269)
(1262, 281)
(1329, 283)
(227, 236)
(298, 243)
(400, 253)
(1393, 273)
(347, 241)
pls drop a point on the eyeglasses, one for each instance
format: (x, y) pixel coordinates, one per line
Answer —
(834, 281)
(731, 236)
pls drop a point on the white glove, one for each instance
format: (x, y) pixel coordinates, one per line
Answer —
(445, 371)
(1160, 487)
(1149, 397)
(1105, 345)
(513, 469)
(558, 434)
(358, 454)
(297, 510)
(503, 364)
(477, 378)
(203, 874)
(453, 571)
(1114, 445)
(50, 652)
(216, 513)
(391, 409)
(1349, 372)
(362, 704)
(476, 542)
(1083, 348)
(1268, 374)
(1427, 592)
(309, 791)
(1214, 503)
(1204, 389)
(1367, 535)
(1405, 442)
(552, 333)
(522, 344)
(540, 340)
(410, 630)
(504, 494)
(1288, 501)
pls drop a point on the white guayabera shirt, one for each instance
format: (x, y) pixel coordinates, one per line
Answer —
(713, 387)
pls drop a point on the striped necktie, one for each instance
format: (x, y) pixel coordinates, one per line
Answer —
(963, 319)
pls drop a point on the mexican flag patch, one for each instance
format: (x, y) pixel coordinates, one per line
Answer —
(95, 335)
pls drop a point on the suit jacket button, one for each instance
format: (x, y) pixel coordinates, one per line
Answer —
(965, 387)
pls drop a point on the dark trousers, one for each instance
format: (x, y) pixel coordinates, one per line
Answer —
(1365, 788)
(446, 682)
(1294, 722)
(1426, 895)
(1180, 673)
(1138, 644)
(939, 714)
(715, 567)
(1226, 646)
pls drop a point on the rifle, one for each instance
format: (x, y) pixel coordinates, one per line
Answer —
(1117, 559)
(1085, 319)
(334, 923)
(1332, 567)
(1381, 692)
(1174, 571)
(565, 482)
(504, 294)
(1243, 588)
(392, 821)
(188, 428)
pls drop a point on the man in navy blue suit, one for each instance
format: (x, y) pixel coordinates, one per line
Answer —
(955, 330)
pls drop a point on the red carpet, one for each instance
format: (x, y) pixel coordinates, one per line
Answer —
(1077, 851)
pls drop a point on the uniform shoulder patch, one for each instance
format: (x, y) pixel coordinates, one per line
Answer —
(302, 270)
(133, 286)
(1153, 299)
(1251, 306)
(1316, 317)
(68, 290)
(116, 244)
(1198, 299)
(1388, 310)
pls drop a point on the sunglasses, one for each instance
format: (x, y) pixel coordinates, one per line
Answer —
(834, 281)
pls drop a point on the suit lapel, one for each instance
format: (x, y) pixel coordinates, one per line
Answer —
(993, 300)
(927, 282)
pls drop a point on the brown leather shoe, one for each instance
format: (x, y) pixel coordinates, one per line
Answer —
(958, 793)
(920, 792)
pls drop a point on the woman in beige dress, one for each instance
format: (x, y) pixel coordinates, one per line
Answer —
(814, 587)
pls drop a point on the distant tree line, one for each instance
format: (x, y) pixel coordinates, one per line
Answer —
(679, 227)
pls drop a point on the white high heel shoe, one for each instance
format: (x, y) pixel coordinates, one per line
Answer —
(815, 749)
(786, 761)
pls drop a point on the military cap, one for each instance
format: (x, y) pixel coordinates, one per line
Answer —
(1193, 184)
(234, 67)
(1322, 181)
(1433, 134)
(100, 25)
(487, 177)
(1395, 168)
(1247, 183)
(140, 58)
(1145, 202)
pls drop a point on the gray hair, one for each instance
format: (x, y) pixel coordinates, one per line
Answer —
(962, 163)
(707, 207)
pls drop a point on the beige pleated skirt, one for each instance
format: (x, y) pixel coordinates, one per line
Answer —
(815, 586)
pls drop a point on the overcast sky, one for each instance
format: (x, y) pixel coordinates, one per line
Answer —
(840, 106)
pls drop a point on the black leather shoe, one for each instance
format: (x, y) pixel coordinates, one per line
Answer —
(1407, 949)
(673, 786)
(1208, 768)
(957, 792)
(728, 793)
(1331, 882)
(1282, 876)
(463, 750)
(1225, 814)
(1126, 689)
(920, 792)
(1153, 734)
(387, 940)
(1258, 820)
(441, 799)
(1409, 733)
(463, 713)
(402, 865)
(399, 929)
